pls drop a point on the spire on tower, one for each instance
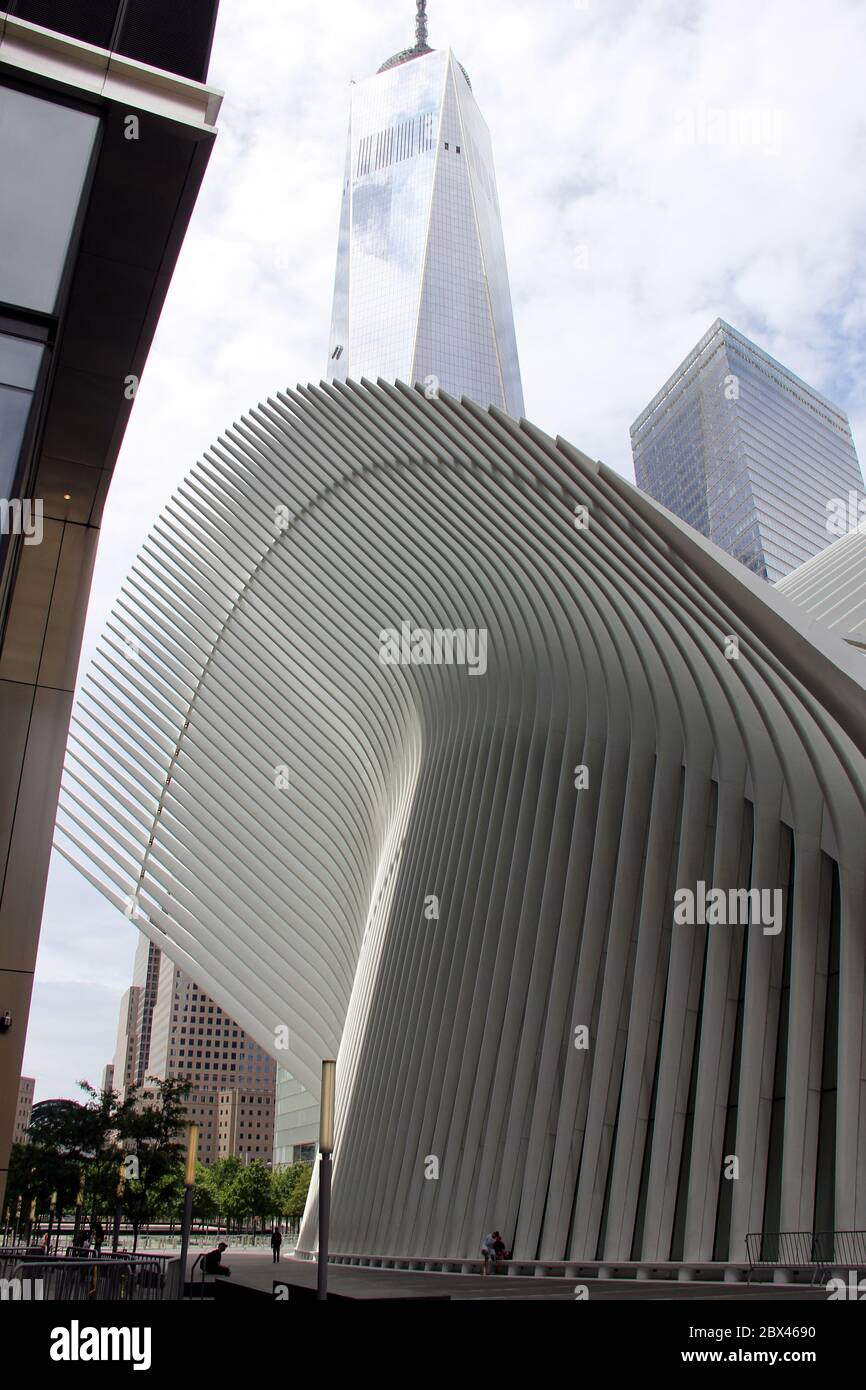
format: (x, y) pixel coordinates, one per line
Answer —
(421, 48)
(421, 24)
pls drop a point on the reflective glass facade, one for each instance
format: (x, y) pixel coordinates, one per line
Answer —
(45, 150)
(741, 449)
(20, 361)
(422, 285)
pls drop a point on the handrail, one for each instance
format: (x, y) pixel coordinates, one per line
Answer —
(815, 1250)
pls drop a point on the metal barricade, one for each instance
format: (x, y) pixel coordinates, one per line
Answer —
(13, 1255)
(815, 1250)
(781, 1248)
(842, 1248)
(98, 1279)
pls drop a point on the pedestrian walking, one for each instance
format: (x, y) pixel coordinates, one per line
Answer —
(276, 1242)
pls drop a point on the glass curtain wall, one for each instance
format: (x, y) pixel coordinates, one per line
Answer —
(46, 149)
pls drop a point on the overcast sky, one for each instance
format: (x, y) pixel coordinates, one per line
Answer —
(634, 215)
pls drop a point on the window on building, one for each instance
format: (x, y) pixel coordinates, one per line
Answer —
(20, 361)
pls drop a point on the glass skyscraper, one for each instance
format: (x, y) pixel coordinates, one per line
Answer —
(421, 287)
(747, 453)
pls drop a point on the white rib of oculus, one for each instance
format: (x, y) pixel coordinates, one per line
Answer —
(831, 586)
(394, 861)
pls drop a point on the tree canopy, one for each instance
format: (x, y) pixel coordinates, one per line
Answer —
(80, 1147)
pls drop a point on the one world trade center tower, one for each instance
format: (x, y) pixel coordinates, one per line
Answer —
(421, 288)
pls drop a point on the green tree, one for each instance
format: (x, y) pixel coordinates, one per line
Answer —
(204, 1208)
(151, 1131)
(204, 1202)
(35, 1172)
(298, 1197)
(291, 1187)
(249, 1195)
(66, 1140)
(166, 1198)
(282, 1182)
(218, 1178)
(95, 1138)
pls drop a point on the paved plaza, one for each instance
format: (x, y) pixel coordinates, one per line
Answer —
(254, 1271)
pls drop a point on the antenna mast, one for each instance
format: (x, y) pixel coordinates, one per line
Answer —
(421, 24)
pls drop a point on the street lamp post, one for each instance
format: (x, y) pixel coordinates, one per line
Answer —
(118, 1207)
(326, 1149)
(79, 1201)
(52, 1206)
(189, 1184)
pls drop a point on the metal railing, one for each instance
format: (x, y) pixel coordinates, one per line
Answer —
(207, 1239)
(818, 1250)
(843, 1247)
(199, 1279)
(782, 1248)
(13, 1255)
(65, 1279)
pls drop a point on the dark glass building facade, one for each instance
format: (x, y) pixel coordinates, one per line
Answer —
(106, 128)
(174, 36)
(747, 454)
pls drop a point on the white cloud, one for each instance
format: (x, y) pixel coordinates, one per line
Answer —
(585, 104)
